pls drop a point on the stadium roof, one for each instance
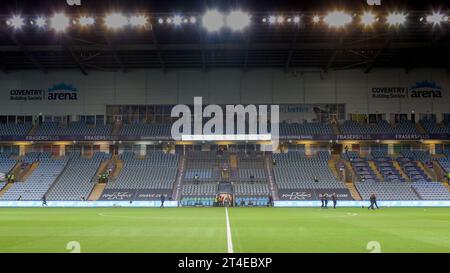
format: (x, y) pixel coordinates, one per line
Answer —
(162, 46)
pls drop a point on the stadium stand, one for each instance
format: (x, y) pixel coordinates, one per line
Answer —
(157, 170)
(202, 189)
(381, 127)
(13, 129)
(146, 130)
(386, 190)
(77, 180)
(434, 128)
(294, 170)
(72, 129)
(292, 130)
(431, 191)
(207, 165)
(40, 180)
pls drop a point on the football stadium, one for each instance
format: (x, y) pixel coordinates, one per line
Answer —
(224, 127)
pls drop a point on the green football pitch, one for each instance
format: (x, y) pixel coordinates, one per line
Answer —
(205, 230)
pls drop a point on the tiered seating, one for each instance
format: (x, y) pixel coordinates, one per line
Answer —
(250, 164)
(386, 191)
(73, 129)
(294, 170)
(382, 127)
(156, 171)
(77, 180)
(197, 201)
(431, 191)
(6, 163)
(433, 128)
(12, 129)
(417, 155)
(39, 181)
(292, 130)
(252, 201)
(412, 170)
(146, 130)
(386, 167)
(445, 163)
(201, 189)
(360, 166)
(206, 165)
(251, 189)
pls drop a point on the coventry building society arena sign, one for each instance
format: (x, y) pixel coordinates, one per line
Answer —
(423, 89)
(58, 92)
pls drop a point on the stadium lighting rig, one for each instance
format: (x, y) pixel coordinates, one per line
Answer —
(213, 20)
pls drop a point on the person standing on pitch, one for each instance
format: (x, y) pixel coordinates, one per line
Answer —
(373, 201)
(334, 198)
(44, 200)
(322, 199)
(163, 198)
(326, 200)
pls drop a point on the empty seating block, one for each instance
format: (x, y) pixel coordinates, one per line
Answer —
(431, 191)
(73, 129)
(156, 171)
(382, 127)
(13, 129)
(39, 181)
(146, 130)
(199, 189)
(386, 190)
(294, 170)
(77, 180)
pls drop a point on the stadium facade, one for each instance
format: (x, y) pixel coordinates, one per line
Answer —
(345, 132)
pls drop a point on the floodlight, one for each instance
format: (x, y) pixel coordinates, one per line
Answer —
(280, 19)
(177, 20)
(59, 22)
(337, 19)
(396, 18)
(16, 22)
(272, 19)
(115, 21)
(237, 20)
(193, 20)
(316, 19)
(296, 19)
(138, 20)
(40, 22)
(85, 21)
(368, 18)
(436, 18)
(213, 20)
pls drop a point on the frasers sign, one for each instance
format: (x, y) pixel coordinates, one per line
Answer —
(425, 89)
(58, 92)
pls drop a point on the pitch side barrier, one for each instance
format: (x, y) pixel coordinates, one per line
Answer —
(89, 204)
(284, 204)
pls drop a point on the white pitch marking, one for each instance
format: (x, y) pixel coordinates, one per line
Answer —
(229, 240)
